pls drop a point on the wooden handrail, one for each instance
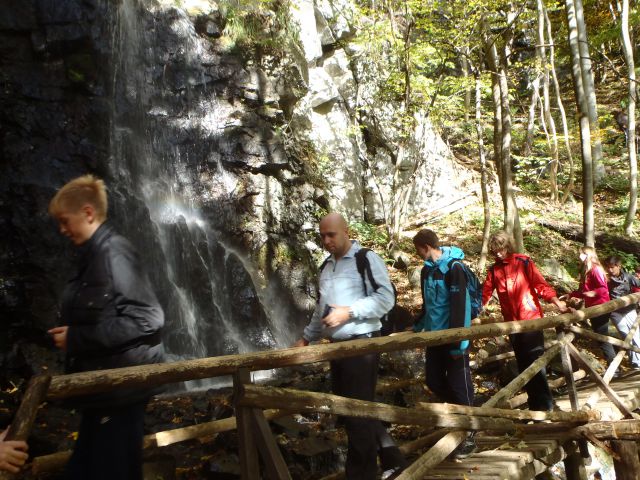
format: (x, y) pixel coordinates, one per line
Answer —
(63, 386)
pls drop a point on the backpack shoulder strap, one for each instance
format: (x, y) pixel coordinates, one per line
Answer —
(525, 263)
(364, 267)
(450, 265)
(324, 264)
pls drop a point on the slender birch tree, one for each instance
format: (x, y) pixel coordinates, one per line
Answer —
(631, 115)
(585, 130)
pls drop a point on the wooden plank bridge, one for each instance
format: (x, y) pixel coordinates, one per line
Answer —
(501, 457)
(513, 444)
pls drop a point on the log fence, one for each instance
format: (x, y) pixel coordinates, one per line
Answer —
(255, 405)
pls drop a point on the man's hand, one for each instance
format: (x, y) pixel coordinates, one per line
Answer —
(13, 454)
(300, 343)
(59, 335)
(337, 316)
(590, 294)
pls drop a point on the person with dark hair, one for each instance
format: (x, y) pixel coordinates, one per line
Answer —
(110, 318)
(13, 453)
(445, 304)
(519, 284)
(349, 308)
(620, 283)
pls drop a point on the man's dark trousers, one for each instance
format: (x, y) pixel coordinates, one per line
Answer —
(356, 377)
(528, 347)
(109, 444)
(449, 377)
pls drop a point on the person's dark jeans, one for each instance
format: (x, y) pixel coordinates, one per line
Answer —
(356, 378)
(448, 377)
(601, 325)
(528, 347)
(109, 444)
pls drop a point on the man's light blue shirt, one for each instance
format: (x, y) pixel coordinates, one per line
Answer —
(341, 284)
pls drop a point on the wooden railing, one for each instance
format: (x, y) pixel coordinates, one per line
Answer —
(251, 401)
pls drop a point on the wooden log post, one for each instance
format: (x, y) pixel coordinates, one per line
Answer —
(248, 451)
(627, 465)
(573, 463)
(567, 370)
(20, 428)
(252, 423)
(613, 396)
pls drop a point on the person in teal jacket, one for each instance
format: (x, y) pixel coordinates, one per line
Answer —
(446, 304)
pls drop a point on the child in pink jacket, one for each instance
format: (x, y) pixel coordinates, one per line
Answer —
(593, 290)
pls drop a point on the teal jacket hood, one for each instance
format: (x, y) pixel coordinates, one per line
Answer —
(448, 253)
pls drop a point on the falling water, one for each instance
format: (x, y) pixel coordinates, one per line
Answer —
(216, 301)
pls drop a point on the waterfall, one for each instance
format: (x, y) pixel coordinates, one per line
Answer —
(164, 166)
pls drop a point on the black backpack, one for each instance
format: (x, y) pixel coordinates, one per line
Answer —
(364, 267)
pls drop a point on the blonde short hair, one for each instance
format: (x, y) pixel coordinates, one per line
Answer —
(80, 191)
(501, 240)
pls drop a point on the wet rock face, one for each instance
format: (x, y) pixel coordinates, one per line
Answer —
(52, 102)
(70, 104)
(217, 160)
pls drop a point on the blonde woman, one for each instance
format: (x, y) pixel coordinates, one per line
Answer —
(109, 318)
(593, 290)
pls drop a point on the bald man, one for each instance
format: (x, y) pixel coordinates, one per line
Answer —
(349, 308)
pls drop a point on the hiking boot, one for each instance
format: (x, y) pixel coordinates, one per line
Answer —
(391, 473)
(466, 448)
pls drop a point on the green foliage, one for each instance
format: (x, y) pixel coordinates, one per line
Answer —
(614, 182)
(258, 25)
(620, 207)
(368, 235)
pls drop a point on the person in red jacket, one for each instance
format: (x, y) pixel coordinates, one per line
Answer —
(637, 275)
(519, 284)
(593, 290)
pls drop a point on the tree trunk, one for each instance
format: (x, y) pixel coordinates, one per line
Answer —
(491, 55)
(631, 115)
(531, 122)
(483, 174)
(590, 93)
(628, 466)
(511, 219)
(502, 136)
(585, 131)
(563, 116)
(552, 137)
(464, 63)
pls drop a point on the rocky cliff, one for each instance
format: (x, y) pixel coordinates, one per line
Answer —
(221, 146)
